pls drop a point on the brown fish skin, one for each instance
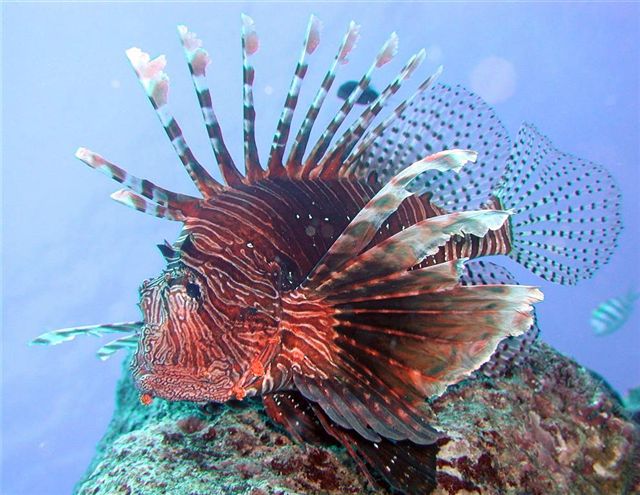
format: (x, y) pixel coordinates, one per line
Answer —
(243, 251)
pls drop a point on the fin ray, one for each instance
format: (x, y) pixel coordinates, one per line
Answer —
(198, 60)
(110, 348)
(56, 337)
(156, 84)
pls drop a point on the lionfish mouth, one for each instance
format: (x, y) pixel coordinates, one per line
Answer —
(175, 386)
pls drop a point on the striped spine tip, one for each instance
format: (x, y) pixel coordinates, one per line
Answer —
(197, 57)
(389, 50)
(249, 35)
(415, 62)
(350, 42)
(151, 74)
(313, 34)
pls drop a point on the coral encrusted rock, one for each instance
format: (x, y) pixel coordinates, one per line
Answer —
(550, 427)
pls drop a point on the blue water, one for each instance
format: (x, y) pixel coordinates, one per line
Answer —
(72, 256)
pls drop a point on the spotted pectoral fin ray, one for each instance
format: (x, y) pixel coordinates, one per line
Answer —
(65, 334)
(512, 352)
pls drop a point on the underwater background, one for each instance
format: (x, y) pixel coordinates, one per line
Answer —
(71, 256)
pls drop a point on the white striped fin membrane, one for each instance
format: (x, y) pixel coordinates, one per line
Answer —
(56, 337)
(566, 211)
(441, 118)
(613, 313)
(512, 352)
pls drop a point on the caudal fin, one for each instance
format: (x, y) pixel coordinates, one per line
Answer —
(566, 211)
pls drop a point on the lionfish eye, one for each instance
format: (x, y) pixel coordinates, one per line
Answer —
(193, 290)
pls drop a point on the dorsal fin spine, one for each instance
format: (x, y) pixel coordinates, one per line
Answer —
(296, 154)
(349, 139)
(386, 53)
(144, 187)
(156, 84)
(371, 136)
(250, 44)
(311, 41)
(198, 59)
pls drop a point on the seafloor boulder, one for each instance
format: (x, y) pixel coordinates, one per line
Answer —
(552, 427)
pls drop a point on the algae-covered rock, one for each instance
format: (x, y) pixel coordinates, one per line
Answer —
(551, 427)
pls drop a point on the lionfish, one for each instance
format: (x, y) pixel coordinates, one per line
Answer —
(334, 282)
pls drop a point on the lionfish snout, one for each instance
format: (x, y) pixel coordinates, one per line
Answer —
(180, 356)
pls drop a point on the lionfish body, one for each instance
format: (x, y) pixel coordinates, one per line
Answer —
(333, 282)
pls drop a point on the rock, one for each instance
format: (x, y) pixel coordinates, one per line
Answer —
(552, 427)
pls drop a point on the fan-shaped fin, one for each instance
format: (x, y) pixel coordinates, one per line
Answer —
(440, 117)
(294, 161)
(370, 359)
(198, 60)
(156, 84)
(512, 351)
(566, 211)
(409, 247)
(56, 337)
(311, 41)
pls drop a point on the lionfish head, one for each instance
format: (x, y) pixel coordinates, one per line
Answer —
(206, 319)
